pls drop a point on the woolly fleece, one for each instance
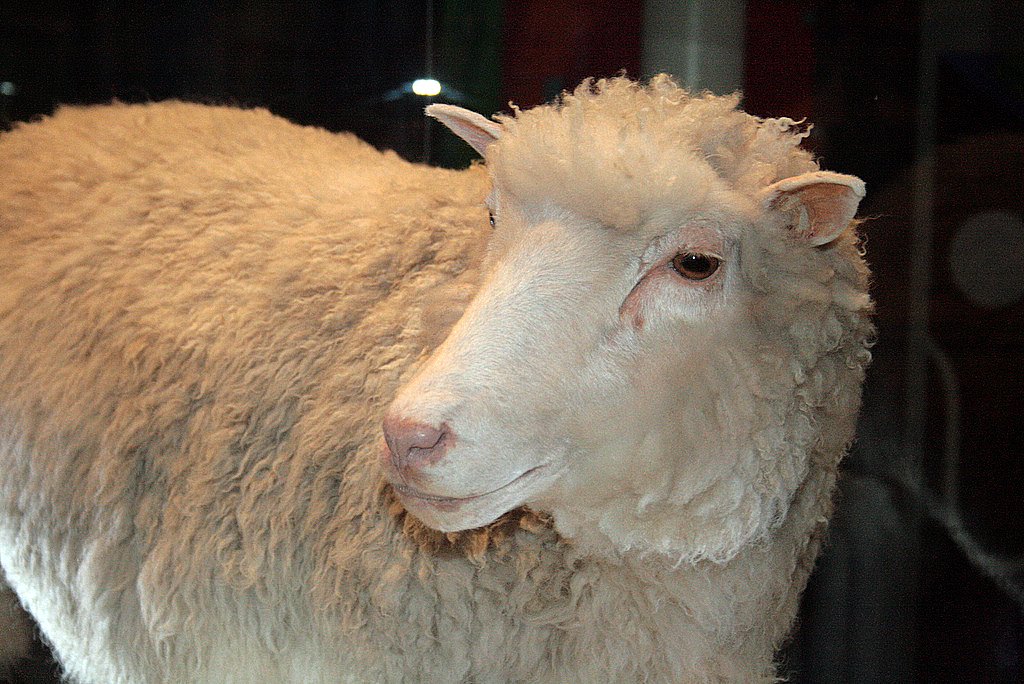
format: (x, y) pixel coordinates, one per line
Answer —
(204, 312)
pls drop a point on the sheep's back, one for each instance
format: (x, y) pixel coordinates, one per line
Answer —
(202, 313)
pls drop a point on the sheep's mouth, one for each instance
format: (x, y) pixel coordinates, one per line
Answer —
(453, 502)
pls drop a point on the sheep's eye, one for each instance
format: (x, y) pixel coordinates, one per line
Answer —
(490, 217)
(695, 266)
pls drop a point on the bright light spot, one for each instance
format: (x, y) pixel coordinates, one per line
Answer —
(7, 88)
(427, 87)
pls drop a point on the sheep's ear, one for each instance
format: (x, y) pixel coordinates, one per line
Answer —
(821, 203)
(475, 129)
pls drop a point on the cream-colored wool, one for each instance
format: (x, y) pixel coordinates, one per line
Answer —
(205, 313)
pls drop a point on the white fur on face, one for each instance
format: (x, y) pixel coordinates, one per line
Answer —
(560, 378)
(499, 380)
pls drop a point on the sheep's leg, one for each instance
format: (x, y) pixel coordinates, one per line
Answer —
(15, 628)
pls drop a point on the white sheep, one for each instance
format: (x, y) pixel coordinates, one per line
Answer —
(619, 463)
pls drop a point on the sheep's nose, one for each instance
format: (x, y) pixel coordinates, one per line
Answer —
(414, 444)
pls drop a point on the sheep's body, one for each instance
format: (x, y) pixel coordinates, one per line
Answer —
(203, 314)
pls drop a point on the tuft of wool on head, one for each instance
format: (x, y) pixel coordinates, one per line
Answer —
(617, 150)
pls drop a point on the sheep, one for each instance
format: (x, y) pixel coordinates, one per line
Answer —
(276, 406)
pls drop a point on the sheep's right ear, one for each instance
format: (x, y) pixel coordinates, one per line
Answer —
(821, 203)
(475, 129)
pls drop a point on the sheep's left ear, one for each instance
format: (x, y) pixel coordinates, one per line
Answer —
(475, 129)
(821, 203)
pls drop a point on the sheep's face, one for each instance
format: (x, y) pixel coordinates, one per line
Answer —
(628, 379)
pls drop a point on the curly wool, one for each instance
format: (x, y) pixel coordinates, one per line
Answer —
(618, 151)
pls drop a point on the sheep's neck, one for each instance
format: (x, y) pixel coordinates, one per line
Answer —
(711, 604)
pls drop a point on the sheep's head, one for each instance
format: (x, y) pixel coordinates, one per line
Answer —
(670, 334)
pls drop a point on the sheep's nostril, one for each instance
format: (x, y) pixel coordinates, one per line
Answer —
(413, 443)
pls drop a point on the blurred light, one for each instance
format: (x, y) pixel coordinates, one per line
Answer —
(427, 87)
(7, 88)
(986, 257)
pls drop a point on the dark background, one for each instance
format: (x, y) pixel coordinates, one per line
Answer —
(923, 578)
